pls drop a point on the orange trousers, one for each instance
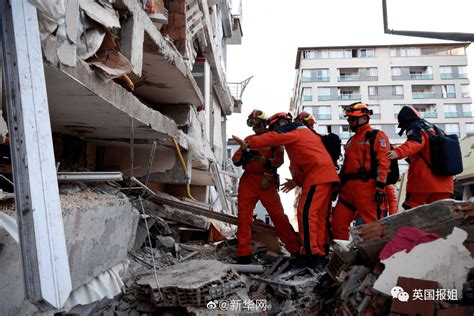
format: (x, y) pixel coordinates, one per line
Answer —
(313, 215)
(356, 198)
(249, 194)
(416, 199)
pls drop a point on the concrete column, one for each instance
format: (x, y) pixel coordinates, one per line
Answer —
(43, 246)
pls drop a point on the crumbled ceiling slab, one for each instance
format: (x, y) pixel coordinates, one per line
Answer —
(445, 260)
(195, 282)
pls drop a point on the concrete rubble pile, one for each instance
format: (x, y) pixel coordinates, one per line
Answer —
(175, 271)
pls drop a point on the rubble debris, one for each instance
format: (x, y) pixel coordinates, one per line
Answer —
(405, 239)
(439, 217)
(194, 283)
(445, 260)
(101, 12)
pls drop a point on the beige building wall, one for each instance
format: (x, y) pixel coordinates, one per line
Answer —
(383, 61)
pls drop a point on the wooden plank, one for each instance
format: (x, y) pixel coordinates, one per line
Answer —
(195, 208)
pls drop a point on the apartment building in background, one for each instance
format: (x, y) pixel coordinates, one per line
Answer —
(430, 77)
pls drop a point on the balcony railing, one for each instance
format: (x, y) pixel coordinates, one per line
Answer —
(341, 116)
(322, 78)
(349, 97)
(307, 79)
(429, 114)
(345, 135)
(323, 116)
(348, 78)
(468, 114)
(449, 95)
(451, 114)
(324, 97)
(307, 98)
(424, 95)
(447, 76)
(421, 77)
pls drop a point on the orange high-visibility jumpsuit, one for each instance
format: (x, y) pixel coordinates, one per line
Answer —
(423, 185)
(263, 160)
(357, 195)
(313, 166)
(391, 205)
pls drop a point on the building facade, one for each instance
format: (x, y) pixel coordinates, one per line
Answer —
(430, 77)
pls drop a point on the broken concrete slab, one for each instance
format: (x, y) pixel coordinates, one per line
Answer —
(99, 230)
(194, 283)
(446, 261)
(439, 217)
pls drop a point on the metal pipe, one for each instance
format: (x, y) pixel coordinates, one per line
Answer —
(183, 164)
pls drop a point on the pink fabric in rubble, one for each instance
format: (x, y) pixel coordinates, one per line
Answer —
(405, 239)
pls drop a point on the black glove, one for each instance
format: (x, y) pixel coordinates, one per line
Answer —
(380, 197)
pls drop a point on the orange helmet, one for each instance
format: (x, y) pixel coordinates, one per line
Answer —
(306, 118)
(358, 109)
(256, 117)
(279, 116)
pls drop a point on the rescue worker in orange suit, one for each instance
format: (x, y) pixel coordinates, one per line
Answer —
(362, 193)
(313, 170)
(259, 182)
(390, 207)
(423, 186)
(307, 119)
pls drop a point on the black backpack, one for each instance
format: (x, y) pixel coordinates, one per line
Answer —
(393, 173)
(445, 153)
(333, 143)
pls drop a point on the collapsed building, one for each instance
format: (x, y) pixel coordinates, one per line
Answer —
(132, 90)
(143, 218)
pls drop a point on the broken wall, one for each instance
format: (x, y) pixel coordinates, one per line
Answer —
(100, 229)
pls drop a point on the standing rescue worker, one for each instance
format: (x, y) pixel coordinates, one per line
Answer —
(259, 182)
(423, 185)
(314, 170)
(363, 190)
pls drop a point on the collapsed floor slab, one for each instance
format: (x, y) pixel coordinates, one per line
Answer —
(99, 229)
(195, 282)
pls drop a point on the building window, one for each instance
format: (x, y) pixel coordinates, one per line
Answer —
(366, 52)
(373, 90)
(373, 72)
(322, 74)
(446, 72)
(450, 110)
(307, 95)
(468, 110)
(321, 129)
(323, 112)
(470, 128)
(397, 90)
(309, 54)
(376, 126)
(376, 110)
(452, 129)
(345, 131)
(405, 52)
(306, 74)
(448, 91)
(229, 153)
(267, 220)
(397, 108)
(462, 74)
(396, 71)
(324, 54)
(324, 94)
(465, 90)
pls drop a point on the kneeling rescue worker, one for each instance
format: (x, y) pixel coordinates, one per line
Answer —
(362, 189)
(259, 182)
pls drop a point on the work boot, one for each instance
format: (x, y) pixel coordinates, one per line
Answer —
(298, 260)
(318, 262)
(244, 260)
